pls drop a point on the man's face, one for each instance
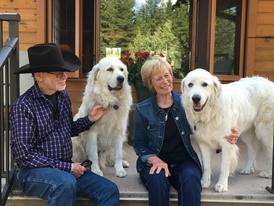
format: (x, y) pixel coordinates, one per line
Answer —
(51, 82)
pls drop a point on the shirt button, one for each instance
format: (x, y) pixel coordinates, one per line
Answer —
(183, 132)
(177, 118)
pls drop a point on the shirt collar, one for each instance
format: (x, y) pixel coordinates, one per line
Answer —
(176, 102)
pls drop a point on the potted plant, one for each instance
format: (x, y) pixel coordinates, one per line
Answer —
(134, 62)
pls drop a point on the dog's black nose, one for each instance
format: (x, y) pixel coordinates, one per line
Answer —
(120, 79)
(196, 98)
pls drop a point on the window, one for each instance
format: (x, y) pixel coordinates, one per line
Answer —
(190, 33)
(63, 24)
(154, 26)
(218, 30)
(227, 37)
(75, 22)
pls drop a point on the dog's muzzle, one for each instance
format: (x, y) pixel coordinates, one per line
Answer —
(197, 106)
(119, 86)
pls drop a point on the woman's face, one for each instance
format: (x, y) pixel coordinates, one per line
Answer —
(162, 82)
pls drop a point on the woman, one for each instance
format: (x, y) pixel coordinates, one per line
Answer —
(162, 140)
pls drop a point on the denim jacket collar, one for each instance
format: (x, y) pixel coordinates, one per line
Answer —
(176, 103)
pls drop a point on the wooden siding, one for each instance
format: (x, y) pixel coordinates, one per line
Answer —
(31, 27)
(260, 39)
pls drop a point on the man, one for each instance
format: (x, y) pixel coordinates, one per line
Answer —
(41, 127)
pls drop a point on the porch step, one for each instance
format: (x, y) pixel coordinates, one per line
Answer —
(244, 190)
(38, 202)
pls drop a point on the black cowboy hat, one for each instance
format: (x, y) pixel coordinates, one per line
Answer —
(50, 57)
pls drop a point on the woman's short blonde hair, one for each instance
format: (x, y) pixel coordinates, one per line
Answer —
(152, 66)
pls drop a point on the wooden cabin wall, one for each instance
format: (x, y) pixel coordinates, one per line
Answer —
(32, 24)
(260, 39)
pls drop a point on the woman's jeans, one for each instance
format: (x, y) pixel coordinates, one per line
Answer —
(61, 188)
(185, 178)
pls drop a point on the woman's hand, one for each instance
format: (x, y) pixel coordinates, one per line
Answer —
(233, 137)
(158, 165)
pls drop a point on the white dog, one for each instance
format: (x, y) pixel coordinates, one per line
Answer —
(107, 85)
(213, 109)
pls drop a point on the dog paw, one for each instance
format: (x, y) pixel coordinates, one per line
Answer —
(97, 171)
(121, 173)
(220, 187)
(247, 171)
(125, 164)
(205, 182)
(265, 174)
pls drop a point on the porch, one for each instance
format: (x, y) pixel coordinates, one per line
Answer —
(244, 190)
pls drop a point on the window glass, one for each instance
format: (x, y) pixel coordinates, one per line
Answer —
(155, 26)
(227, 37)
(63, 25)
(89, 56)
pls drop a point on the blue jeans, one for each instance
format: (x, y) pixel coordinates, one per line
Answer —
(185, 178)
(61, 188)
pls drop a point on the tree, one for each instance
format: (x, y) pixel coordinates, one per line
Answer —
(116, 23)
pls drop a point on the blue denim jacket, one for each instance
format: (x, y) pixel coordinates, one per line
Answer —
(150, 129)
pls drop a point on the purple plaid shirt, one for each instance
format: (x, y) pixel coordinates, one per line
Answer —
(39, 139)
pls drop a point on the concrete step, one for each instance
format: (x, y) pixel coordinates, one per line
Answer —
(244, 190)
(28, 201)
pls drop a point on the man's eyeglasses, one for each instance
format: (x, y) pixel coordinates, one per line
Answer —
(57, 74)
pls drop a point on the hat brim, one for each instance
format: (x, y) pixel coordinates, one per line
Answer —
(29, 69)
(72, 63)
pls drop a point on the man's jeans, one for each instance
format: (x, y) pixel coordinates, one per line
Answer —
(61, 188)
(186, 179)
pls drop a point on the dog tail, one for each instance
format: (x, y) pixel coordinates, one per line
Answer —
(234, 158)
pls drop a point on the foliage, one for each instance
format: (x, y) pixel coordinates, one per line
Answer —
(225, 37)
(116, 24)
(134, 62)
(161, 41)
(156, 27)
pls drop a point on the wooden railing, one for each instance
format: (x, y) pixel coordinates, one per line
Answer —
(9, 91)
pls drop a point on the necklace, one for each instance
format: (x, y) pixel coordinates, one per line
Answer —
(166, 110)
(166, 116)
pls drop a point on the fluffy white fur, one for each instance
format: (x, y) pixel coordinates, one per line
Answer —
(107, 85)
(213, 108)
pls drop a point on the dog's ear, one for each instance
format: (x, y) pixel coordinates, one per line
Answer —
(93, 73)
(125, 70)
(217, 86)
(182, 85)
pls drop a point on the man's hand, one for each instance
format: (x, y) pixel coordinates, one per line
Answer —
(77, 169)
(158, 165)
(233, 137)
(96, 113)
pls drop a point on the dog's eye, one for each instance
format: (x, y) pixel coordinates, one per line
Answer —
(110, 69)
(122, 69)
(190, 85)
(204, 84)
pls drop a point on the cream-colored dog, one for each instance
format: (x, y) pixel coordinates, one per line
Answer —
(107, 85)
(212, 109)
